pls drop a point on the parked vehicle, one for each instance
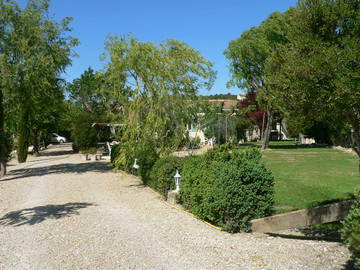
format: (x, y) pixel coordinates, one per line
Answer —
(56, 138)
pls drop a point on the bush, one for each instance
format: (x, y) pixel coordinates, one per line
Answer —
(228, 189)
(162, 174)
(84, 135)
(123, 158)
(115, 151)
(351, 230)
(90, 150)
(147, 156)
(75, 148)
(243, 190)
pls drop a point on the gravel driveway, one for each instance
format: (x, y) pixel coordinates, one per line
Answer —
(59, 212)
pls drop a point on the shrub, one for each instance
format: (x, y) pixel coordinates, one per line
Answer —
(75, 148)
(115, 151)
(243, 190)
(162, 174)
(147, 156)
(123, 157)
(227, 189)
(90, 150)
(84, 135)
(351, 230)
(197, 181)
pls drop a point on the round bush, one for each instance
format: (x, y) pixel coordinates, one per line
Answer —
(241, 192)
(227, 189)
(351, 230)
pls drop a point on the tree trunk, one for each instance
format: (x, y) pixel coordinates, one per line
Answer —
(36, 143)
(24, 133)
(3, 150)
(356, 144)
(266, 138)
(262, 127)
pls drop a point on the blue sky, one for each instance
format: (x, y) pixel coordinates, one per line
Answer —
(206, 25)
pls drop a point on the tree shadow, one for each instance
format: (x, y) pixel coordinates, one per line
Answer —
(75, 168)
(35, 215)
(350, 265)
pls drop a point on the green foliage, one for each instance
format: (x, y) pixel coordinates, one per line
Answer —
(351, 230)
(125, 158)
(147, 156)
(319, 62)
(84, 135)
(243, 191)
(24, 134)
(162, 174)
(115, 151)
(196, 183)
(126, 153)
(159, 101)
(89, 150)
(34, 52)
(227, 189)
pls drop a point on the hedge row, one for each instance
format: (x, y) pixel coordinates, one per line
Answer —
(225, 188)
(351, 231)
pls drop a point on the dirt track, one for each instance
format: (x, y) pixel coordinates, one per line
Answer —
(59, 212)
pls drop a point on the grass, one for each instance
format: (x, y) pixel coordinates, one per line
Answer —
(310, 176)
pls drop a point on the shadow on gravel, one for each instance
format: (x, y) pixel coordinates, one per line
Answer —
(64, 168)
(35, 215)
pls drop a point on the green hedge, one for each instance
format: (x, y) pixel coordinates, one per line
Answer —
(162, 174)
(228, 189)
(123, 157)
(84, 135)
(225, 188)
(351, 231)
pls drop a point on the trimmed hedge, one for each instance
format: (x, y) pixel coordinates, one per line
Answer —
(162, 174)
(228, 189)
(351, 231)
(225, 188)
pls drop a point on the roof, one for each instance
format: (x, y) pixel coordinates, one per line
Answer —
(228, 104)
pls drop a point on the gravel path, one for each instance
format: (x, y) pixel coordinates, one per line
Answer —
(59, 212)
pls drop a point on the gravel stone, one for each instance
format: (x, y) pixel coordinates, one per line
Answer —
(60, 212)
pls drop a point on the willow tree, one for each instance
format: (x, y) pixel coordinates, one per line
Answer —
(34, 52)
(248, 56)
(159, 84)
(317, 73)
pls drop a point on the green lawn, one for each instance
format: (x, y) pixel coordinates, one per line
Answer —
(309, 176)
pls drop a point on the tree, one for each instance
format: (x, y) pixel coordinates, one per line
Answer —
(317, 73)
(158, 86)
(248, 56)
(34, 52)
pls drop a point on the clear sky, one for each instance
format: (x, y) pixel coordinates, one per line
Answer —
(206, 25)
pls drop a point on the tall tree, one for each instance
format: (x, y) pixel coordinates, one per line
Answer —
(159, 84)
(248, 56)
(317, 73)
(35, 51)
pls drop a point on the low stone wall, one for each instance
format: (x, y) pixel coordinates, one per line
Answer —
(302, 218)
